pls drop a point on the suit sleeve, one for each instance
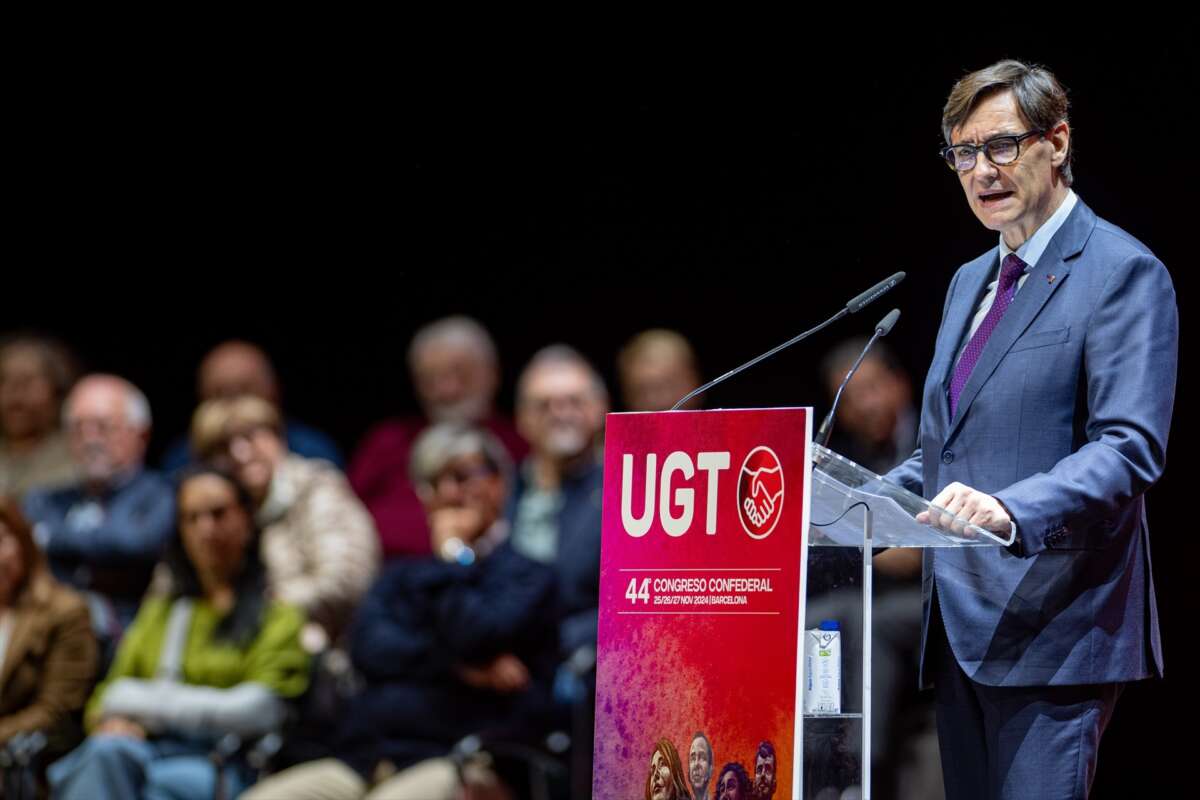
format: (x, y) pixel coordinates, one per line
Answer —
(1130, 357)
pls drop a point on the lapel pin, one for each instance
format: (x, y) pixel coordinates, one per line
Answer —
(1050, 279)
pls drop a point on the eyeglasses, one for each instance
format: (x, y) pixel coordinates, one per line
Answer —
(1000, 150)
(463, 475)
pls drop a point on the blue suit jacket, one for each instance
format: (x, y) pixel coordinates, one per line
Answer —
(1064, 420)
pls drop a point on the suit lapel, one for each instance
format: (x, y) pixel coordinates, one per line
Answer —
(1029, 300)
(974, 280)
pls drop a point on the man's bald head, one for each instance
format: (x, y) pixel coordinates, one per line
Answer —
(237, 368)
(108, 422)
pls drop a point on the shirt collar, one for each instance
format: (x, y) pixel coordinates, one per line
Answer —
(1035, 245)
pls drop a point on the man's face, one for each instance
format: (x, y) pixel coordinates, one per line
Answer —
(1016, 198)
(560, 412)
(28, 406)
(233, 370)
(103, 441)
(699, 764)
(454, 383)
(662, 787)
(872, 401)
(764, 777)
(656, 381)
(465, 498)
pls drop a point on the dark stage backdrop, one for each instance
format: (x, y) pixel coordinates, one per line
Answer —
(326, 213)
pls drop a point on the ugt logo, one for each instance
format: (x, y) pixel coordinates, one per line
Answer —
(760, 492)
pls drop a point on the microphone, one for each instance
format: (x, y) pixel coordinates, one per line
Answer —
(854, 306)
(882, 329)
(874, 293)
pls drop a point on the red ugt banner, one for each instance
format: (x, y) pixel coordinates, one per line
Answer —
(705, 527)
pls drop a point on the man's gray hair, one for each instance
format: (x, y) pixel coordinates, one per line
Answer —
(440, 444)
(561, 355)
(459, 330)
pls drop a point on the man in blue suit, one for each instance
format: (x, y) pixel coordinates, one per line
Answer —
(1045, 415)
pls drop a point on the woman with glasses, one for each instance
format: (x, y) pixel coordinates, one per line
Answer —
(318, 541)
(207, 655)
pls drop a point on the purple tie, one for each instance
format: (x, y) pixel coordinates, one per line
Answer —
(1010, 271)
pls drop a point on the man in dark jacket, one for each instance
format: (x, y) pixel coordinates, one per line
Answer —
(462, 641)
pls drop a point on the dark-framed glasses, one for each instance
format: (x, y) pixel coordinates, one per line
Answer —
(1000, 150)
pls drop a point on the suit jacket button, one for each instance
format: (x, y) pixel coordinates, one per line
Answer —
(947, 457)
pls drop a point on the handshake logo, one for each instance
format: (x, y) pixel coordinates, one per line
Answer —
(760, 492)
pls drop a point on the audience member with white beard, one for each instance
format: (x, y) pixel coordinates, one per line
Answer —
(104, 533)
(455, 375)
(561, 403)
(554, 510)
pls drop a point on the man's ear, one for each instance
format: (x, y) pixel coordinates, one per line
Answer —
(1060, 137)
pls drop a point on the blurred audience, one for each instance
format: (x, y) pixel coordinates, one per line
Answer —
(207, 656)
(104, 533)
(876, 426)
(554, 509)
(318, 541)
(456, 375)
(876, 423)
(486, 624)
(47, 650)
(657, 368)
(235, 368)
(458, 642)
(35, 375)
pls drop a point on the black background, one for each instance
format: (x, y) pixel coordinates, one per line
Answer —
(325, 207)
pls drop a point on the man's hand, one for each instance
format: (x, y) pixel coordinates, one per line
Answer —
(967, 504)
(505, 674)
(465, 524)
(120, 726)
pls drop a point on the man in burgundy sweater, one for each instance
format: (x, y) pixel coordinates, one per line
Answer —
(456, 374)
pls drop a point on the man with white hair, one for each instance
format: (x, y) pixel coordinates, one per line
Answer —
(103, 534)
(455, 375)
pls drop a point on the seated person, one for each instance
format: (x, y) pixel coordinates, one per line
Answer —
(103, 534)
(657, 368)
(35, 375)
(235, 368)
(318, 540)
(555, 505)
(208, 656)
(459, 642)
(47, 650)
(455, 374)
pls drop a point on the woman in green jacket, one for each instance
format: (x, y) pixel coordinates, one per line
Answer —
(208, 654)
